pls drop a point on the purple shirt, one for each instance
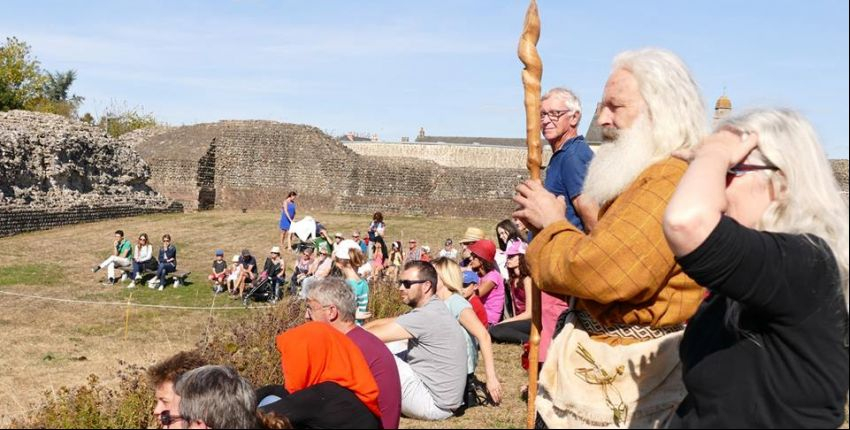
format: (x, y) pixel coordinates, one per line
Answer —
(494, 302)
(382, 364)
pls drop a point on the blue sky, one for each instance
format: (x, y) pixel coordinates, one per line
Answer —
(390, 67)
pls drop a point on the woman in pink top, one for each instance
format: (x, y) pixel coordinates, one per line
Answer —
(517, 328)
(491, 289)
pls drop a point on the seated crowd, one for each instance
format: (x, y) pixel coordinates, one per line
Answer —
(623, 250)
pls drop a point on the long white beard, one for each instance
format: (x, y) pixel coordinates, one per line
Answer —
(619, 162)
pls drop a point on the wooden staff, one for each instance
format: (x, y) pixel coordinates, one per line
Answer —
(531, 76)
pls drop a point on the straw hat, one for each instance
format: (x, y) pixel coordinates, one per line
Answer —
(472, 234)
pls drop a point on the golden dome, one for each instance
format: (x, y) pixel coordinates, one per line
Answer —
(723, 103)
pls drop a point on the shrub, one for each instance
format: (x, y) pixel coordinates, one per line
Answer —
(246, 344)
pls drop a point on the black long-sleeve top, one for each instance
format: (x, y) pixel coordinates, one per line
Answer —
(789, 366)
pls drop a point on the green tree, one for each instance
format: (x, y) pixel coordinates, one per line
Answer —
(54, 97)
(21, 79)
(87, 118)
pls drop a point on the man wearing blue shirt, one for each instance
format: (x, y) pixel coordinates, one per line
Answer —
(560, 114)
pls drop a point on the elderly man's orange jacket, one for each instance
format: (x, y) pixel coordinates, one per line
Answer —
(624, 271)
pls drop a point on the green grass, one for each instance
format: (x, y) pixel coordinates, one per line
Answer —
(30, 274)
(33, 329)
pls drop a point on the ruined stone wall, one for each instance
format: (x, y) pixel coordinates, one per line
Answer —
(451, 155)
(54, 171)
(256, 163)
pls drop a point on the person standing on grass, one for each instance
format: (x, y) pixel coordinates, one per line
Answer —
(167, 262)
(122, 258)
(142, 259)
(287, 217)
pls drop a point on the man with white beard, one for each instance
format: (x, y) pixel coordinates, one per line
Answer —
(615, 363)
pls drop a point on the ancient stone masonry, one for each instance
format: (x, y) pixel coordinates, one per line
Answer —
(253, 164)
(54, 171)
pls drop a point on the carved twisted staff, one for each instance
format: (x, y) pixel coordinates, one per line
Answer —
(531, 76)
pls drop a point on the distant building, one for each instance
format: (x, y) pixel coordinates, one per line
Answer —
(722, 108)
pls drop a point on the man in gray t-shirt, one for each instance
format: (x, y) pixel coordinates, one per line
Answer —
(433, 376)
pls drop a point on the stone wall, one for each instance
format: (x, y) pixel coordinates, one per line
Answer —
(54, 171)
(451, 155)
(254, 164)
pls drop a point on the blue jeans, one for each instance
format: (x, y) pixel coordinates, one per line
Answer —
(139, 267)
(163, 270)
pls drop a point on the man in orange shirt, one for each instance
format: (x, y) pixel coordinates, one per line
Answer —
(616, 360)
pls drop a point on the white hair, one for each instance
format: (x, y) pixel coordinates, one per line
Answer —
(809, 200)
(570, 99)
(617, 164)
(674, 104)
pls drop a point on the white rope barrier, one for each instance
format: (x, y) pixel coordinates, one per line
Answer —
(126, 304)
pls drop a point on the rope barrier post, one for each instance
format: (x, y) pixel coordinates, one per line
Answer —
(531, 76)
(127, 316)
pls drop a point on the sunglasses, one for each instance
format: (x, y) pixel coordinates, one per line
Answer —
(741, 169)
(167, 419)
(408, 284)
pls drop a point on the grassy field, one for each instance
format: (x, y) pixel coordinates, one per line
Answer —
(51, 344)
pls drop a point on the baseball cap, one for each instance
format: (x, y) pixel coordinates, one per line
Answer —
(219, 252)
(470, 277)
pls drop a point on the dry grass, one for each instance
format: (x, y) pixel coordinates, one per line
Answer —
(48, 345)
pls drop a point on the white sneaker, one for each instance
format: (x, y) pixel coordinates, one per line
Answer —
(138, 276)
(124, 277)
(132, 285)
(151, 285)
(160, 288)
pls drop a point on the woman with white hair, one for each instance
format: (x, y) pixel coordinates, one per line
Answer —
(758, 220)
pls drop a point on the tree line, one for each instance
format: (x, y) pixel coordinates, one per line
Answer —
(25, 85)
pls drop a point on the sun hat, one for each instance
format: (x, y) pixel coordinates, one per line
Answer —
(275, 250)
(472, 234)
(470, 277)
(219, 252)
(485, 249)
(341, 250)
(235, 258)
(516, 247)
(339, 235)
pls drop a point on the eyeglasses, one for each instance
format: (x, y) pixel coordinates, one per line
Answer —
(741, 169)
(167, 419)
(407, 284)
(554, 115)
(310, 310)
